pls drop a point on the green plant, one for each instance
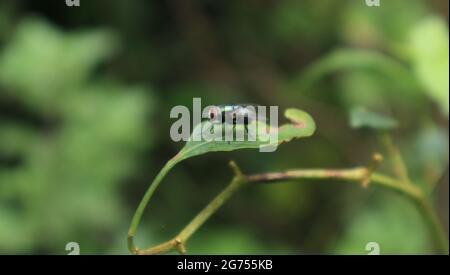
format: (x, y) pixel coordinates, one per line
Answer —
(302, 126)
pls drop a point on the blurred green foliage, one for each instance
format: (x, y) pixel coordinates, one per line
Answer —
(429, 47)
(362, 118)
(85, 96)
(65, 184)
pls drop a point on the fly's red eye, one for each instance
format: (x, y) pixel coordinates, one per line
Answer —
(214, 114)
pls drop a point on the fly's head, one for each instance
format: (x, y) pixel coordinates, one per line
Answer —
(215, 115)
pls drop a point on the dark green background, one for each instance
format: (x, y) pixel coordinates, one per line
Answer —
(85, 96)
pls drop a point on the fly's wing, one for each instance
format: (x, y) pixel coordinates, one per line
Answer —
(253, 114)
(244, 113)
(237, 113)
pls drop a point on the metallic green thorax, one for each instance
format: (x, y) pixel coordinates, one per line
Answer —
(230, 113)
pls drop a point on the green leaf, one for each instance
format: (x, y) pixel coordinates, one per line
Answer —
(362, 118)
(429, 48)
(302, 125)
(348, 59)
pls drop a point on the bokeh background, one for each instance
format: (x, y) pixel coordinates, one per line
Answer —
(85, 96)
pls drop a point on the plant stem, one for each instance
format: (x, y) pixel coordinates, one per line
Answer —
(355, 175)
(179, 241)
(210, 209)
(147, 196)
(422, 202)
(396, 158)
(434, 224)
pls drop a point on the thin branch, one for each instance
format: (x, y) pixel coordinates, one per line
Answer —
(179, 241)
(359, 175)
(147, 196)
(395, 156)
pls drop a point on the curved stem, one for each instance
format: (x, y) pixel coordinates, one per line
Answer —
(398, 164)
(179, 241)
(434, 224)
(359, 175)
(355, 175)
(140, 210)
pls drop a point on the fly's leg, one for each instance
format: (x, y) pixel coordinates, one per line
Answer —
(233, 131)
(250, 137)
